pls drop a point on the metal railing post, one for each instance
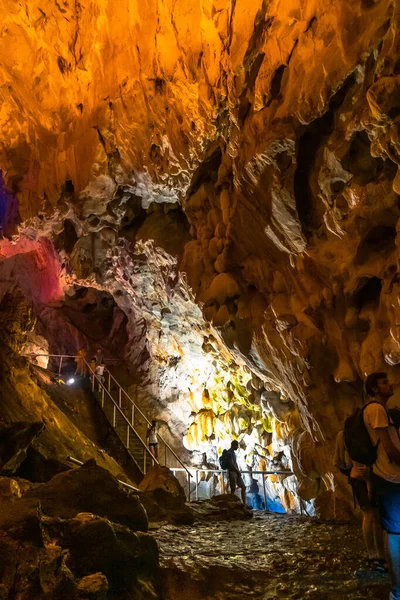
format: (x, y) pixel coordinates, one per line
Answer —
(144, 462)
(119, 397)
(133, 415)
(265, 492)
(60, 365)
(114, 415)
(127, 437)
(197, 484)
(109, 381)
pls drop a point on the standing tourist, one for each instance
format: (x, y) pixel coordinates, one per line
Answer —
(386, 469)
(152, 440)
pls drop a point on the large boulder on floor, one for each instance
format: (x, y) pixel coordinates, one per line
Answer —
(164, 498)
(90, 489)
(72, 559)
(15, 440)
(226, 507)
(159, 477)
(97, 546)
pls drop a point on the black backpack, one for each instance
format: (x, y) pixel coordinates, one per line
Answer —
(223, 460)
(356, 437)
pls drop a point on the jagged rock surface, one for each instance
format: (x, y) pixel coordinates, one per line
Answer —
(80, 557)
(229, 175)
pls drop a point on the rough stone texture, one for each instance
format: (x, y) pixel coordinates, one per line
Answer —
(90, 489)
(14, 441)
(70, 427)
(62, 559)
(228, 172)
(159, 477)
(267, 558)
(164, 498)
(93, 586)
(225, 507)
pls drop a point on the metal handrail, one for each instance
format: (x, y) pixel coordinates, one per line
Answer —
(224, 472)
(148, 422)
(147, 449)
(130, 425)
(75, 461)
(62, 356)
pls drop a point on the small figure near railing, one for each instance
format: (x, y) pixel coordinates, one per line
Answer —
(81, 362)
(111, 393)
(151, 438)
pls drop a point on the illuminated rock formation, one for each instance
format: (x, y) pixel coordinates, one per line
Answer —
(225, 175)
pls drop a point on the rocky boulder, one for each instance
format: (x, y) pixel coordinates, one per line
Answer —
(164, 498)
(90, 489)
(15, 440)
(97, 546)
(225, 507)
(85, 558)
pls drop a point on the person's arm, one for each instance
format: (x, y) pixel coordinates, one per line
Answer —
(390, 449)
(358, 471)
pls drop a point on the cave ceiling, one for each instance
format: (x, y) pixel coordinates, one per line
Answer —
(227, 172)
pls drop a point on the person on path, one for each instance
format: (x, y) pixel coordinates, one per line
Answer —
(98, 357)
(360, 481)
(386, 469)
(234, 475)
(99, 374)
(152, 440)
(80, 362)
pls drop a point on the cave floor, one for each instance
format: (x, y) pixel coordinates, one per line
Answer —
(266, 558)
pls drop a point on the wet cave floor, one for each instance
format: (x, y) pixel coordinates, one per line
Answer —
(268, 557)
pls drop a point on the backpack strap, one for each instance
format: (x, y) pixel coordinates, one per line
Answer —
(388, 416)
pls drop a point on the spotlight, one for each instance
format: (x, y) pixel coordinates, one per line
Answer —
(70, 381)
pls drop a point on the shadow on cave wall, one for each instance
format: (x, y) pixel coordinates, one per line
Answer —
(310, 211)
(86, 314)
(379, 242)
(9, 210)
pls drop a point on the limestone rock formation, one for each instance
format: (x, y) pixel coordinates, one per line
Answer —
(89, 489)
(81, 557)
(164, 498)
(14, 441)
(217, 184)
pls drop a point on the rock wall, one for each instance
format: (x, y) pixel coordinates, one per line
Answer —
(228, 174)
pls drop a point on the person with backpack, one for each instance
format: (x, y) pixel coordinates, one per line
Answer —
(228, 461)
(385, 476)
(359, 479)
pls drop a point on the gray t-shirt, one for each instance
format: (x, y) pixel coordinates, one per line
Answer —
(376, 417)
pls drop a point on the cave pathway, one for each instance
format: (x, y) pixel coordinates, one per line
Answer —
(269, 557)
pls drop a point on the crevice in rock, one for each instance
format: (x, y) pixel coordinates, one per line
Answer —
(358, 160)
(369, 293)
(207, 171)
(310, 214)
(38, 468)
(277, 82)
(67, 238)
(69, 187)
(310, 24)
(379, 241)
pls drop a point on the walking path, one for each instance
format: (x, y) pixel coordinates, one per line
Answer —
(267, 558)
